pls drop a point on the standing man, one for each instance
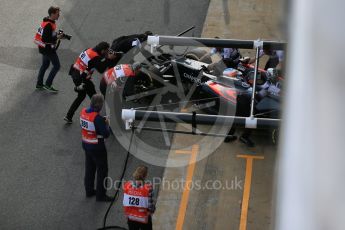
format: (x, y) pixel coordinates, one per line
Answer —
(138, 201)
(46, 39)
(95, 129)
(82, 70)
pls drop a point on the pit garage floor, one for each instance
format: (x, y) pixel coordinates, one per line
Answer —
(223, 185)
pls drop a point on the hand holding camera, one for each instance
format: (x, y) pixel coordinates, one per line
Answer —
(62, 35)
(111, 54)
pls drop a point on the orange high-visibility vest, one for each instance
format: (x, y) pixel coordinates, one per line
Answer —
(88, 131)
(136, 202)
(82, 61)
(118, 73)
(38, 36)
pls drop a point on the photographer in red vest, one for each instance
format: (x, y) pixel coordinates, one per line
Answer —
(46, 39)
(138, 201)
(95, 129)
(118, 75)
(97, 58)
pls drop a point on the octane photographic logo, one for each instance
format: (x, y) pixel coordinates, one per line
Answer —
(167, 82)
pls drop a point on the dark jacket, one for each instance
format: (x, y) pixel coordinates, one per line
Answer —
(125, 43)
(101, 129)
(99, 64)
(48, 37)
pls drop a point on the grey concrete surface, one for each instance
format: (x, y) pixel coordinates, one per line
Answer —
(41, 160)
(220, 208)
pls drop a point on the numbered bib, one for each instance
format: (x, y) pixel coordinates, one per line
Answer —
(84, 58)
(119, 71)
(87, 125)
(135, 201)
(40, 30)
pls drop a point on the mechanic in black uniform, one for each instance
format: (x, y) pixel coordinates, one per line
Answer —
(126, 48)
(81, 72)
(242, 108)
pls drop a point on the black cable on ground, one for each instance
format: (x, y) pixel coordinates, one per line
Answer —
(118, 189)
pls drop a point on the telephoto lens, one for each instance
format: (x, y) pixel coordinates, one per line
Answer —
(65, 36)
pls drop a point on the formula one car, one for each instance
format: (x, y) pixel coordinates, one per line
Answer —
(205, 85)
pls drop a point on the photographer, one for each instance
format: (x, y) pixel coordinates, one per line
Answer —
(46, 39)
(118, 75)
(138, 202)
(95, 129)
(82, 70)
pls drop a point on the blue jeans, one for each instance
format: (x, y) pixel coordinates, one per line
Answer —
(46, 59)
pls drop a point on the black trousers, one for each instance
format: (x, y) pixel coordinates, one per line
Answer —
(272, 62)
(246, 132)
(96, 161)
(89, 89)
(133, 225)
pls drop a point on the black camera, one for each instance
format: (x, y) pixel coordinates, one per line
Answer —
(65, 36)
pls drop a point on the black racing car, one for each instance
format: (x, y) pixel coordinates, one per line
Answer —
(182, 79)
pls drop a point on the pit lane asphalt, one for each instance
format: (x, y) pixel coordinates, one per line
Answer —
(41, 160)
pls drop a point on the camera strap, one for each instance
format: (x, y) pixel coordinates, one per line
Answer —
(57, 44)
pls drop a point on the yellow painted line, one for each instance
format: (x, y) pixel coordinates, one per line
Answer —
(189, 177)
(183, 151)
(246, 189)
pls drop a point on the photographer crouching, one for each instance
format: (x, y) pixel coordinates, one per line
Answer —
(48, 40)
(99, 58)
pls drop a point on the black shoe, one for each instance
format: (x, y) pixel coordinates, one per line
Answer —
(104, 198)
(91, 194)
(50, 89)
(247, 141)
(39, 87)
(68, 120)
(230, 138)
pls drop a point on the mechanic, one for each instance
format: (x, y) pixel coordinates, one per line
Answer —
(129, 46)
(138, 201)
(46, 39)
(230, 59)
(82, 70)
(95, 129)
(272, 86)
(242, 106)
(117, 76)
(275, 60)
(230, 56)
